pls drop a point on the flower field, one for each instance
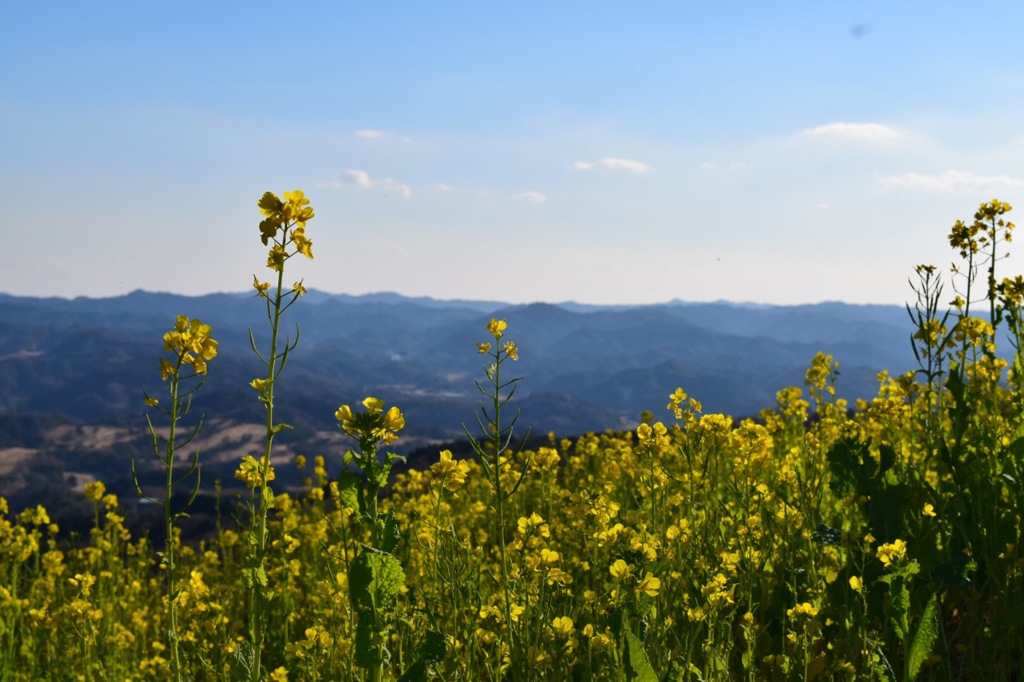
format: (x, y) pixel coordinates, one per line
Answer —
(817, 541)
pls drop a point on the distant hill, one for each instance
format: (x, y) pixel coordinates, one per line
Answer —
(91, 358)
(87, 361)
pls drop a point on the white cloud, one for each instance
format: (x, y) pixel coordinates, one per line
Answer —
(371, 134)
(953, 181)
(531, 197)
(404, 190)
(869, 132)
(441, 187)
(612, 163)
(361, 179)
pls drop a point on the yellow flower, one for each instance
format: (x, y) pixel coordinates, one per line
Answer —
(648, 585)
(929, 510)
(374, 423)
(453, 473)
(620, 569)
(249, 472)
(95, 490)
(260, 287)
(259, 384)
(805, 609)
(856, 584)
(483, 347)
(152, 402)
(299, 289)
(512, 350)
(496, 328)
(394, 420)
(296, 198)
(527, 525)
(302, 243)
(269, 228)
(269, 204)
(276, 258)
(343, 413)
(893, 551)
(373, 405)
(563, 626)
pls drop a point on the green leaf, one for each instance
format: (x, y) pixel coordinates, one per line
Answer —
(278, 428)
(380, 476)
(638, 668)
(886, 457)
(374, 580)
(431, 651)
(924, 638)
(254, 576)
(350, 489)
(391, 535)
(243, 659)
(432, 648)
(417, 672)
(899, 595)
(845, 463)
(366, 655)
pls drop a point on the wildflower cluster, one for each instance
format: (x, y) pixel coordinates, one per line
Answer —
(284, 226)
(189, 343)
(372, 426)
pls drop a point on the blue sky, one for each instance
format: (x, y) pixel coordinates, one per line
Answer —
(602, 152)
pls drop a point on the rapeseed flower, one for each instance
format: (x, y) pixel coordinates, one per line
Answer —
(191, 344)
(563, 626)
(250, 472)
(452, 473)
(374, 425)
(803, 609)
(95, 490)
(648, 585)
(497, 328)
(620, 570)
(890, 552)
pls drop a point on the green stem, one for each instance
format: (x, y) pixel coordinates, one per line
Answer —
(172, 629)
(499, 500)
(257, 631)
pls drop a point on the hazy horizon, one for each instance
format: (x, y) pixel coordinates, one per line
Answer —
(320, 292)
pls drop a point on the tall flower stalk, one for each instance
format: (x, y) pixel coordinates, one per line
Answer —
(190, 346)
(495, 452)
(376, 577)
(283, 229)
